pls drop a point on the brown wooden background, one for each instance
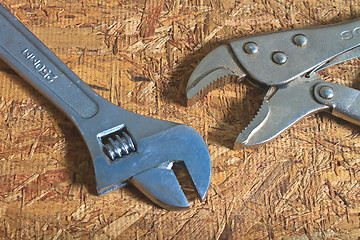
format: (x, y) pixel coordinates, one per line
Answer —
(139, 54)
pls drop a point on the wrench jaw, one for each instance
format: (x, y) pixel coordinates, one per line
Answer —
(162, 187)
(211, 74)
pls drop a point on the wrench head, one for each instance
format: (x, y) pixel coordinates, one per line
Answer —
(212, 71)
(160, 183)
(158, 144)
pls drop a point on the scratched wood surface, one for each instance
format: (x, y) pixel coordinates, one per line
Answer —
(139, 54)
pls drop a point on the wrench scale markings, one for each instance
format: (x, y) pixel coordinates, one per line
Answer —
(39, 66)
(67, 95)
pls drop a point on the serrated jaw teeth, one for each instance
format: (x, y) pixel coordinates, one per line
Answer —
(217, 65)
(196, 94)
(247, 138)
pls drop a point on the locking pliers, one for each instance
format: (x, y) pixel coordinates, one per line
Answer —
(286, 65)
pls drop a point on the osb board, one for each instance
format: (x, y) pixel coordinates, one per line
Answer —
(139, 55)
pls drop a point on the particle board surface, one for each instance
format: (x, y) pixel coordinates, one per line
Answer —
(139, 55)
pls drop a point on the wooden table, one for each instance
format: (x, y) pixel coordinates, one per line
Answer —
(139, 55)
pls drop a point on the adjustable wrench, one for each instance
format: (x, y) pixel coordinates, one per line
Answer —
(125, 147)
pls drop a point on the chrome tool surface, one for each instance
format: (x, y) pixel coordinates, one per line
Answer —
(285, 65)
(125, 147)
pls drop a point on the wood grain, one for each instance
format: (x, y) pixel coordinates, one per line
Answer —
(139, 55)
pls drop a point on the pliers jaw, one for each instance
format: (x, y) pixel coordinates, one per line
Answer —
(212, 72)
(281, 108)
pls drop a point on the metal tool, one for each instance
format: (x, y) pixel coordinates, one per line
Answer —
(125, 147)
(285, 64)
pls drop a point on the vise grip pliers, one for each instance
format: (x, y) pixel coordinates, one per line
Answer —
(125, 147)
(285, 64)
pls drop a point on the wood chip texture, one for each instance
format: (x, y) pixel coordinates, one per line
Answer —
(139, 55)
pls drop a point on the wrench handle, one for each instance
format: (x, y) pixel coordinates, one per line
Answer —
(33, 61)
